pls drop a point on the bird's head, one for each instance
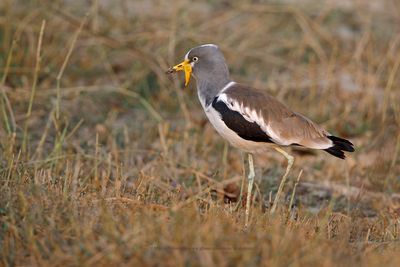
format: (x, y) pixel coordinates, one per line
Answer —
(202, 61)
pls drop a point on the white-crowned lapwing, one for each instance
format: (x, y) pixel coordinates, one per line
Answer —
(250, 119)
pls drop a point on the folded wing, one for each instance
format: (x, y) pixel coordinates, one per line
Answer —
(264, 114)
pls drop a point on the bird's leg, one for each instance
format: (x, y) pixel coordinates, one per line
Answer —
(290, 160)
(249, 187)
(239, 202)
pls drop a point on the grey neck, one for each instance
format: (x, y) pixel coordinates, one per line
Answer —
(208, 89)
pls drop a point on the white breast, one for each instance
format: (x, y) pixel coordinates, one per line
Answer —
(235, 140)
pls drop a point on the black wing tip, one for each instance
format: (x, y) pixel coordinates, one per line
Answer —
(341, 143)
(339, 146)
(336, 152)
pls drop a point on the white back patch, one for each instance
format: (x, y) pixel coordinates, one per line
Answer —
(227, 86)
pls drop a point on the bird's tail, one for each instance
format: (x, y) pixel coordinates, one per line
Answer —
(339, 146)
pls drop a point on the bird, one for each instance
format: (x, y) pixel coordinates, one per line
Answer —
(250, 119)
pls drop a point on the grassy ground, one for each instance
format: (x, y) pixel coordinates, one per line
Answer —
(106, 160)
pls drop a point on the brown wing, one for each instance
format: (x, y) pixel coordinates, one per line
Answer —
(284, 126)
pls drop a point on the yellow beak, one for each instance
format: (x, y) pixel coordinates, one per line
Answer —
(185, 66)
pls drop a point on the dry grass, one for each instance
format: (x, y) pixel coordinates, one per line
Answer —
(105, 160)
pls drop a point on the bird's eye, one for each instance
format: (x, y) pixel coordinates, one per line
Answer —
(194, 59)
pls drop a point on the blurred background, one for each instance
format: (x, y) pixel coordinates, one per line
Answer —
(98, 142)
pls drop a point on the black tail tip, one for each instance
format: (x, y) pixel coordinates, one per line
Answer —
(339, 146)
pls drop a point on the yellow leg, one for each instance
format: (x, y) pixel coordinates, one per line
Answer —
(249, 187)
(290, 160)
(239, 202)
